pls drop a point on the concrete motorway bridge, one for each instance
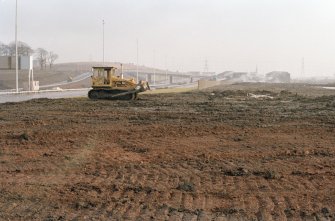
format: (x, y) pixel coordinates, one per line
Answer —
(166, 77)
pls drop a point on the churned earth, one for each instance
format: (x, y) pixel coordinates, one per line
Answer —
(218, 154)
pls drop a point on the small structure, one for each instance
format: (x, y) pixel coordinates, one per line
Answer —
(8, 62)
(24, 63)
(233, 76)
(278, 77)
(5, 62)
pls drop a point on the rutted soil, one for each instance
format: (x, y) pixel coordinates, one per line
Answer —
(206, 155)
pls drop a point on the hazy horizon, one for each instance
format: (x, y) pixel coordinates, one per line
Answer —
(237, 35)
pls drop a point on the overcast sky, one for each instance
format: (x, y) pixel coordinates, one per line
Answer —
(182, 34)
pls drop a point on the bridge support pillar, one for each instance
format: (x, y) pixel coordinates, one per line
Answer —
(171, 79)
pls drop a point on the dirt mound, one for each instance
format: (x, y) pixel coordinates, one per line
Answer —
(206, 155)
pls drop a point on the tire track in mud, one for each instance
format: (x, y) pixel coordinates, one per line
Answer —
(183, 205)
(31, 208)
(279, 207)
(266, 207)
(171, 166)
(58, 176)
(178, 200)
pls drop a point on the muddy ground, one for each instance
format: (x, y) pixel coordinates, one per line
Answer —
(205, 155)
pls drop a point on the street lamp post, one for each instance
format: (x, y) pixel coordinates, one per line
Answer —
(16, 56)
(154, 64)
(103, 42)
(137, 60)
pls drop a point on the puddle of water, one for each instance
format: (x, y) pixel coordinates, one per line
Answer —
(329, 88)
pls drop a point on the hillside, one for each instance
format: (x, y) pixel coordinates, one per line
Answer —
(60, 72)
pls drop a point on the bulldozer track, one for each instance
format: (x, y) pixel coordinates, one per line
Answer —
(97, 94)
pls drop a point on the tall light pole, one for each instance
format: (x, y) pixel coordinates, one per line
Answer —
(166, 69)
(303, 67)
(137, 60)
(16, 57)
(103, 42)
(154, 64)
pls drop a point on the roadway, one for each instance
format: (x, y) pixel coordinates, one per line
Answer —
(51, 94)
(11, 96)
(68, 93)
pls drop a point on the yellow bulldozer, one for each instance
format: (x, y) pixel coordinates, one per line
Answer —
(107, 85)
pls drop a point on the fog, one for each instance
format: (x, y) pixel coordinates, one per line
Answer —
(182, 35)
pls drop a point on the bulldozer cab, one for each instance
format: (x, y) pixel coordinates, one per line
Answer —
(102, 76)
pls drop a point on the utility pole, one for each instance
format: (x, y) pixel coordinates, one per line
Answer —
(137, 60)
(166, 69)
(16, 55)
(303, 67)
(206, 67)
(103, 42)
(121, 71)
(154, 64)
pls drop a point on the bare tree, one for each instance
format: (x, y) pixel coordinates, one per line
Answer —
(4, 49)
(51, 58)
(23, 49)
(41, 56)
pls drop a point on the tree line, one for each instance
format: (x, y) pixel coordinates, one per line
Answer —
(44, 58)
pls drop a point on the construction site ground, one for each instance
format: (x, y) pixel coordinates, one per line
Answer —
(219, 154)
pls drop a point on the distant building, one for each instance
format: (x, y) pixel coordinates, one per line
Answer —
(233, 76)
(9, 62)
(278, 77)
